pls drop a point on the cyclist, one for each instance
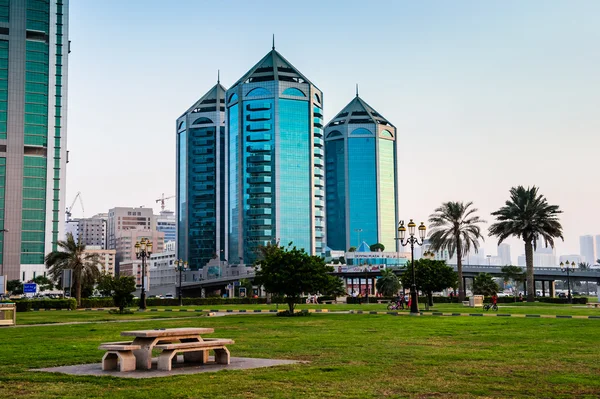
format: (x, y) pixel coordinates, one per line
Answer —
(495, 300)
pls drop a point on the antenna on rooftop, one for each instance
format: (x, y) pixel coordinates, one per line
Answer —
(273, 41)
(357, 90)
(218, 76)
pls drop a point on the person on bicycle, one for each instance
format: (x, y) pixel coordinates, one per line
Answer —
(400, 301)
(495, 300)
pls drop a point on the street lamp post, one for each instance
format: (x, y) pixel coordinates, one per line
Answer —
(180, 266)
(566, 268)
(143, 250)
(412, 240)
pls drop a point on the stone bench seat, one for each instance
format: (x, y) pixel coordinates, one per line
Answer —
(119, 355)
(593, 305)
(194, 352)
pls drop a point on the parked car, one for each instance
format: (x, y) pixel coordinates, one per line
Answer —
(562, 295)
(169, 296)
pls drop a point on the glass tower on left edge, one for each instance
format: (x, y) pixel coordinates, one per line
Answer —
(201, 194)
(34, 48)
(275, 150)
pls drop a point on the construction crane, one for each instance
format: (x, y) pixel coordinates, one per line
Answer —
(162, 200)
(69, 209)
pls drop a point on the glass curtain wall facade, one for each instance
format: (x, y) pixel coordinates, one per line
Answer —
(33, 71)
(275, 162)
(361, 178)
(201, 180)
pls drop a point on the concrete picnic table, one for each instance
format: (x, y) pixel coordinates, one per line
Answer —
(147, 339)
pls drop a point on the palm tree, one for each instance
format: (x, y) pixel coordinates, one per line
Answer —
(527, 215)
(72, 256)
(388, 284)
(454, 227)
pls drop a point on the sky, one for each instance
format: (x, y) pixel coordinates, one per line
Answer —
(484, 95)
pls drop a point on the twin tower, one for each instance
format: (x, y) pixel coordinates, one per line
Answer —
(256, 164)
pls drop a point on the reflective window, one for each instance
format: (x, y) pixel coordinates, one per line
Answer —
(335, 133)
(292, 91)
(362, 180)
(294, 173)
(387, 197)
(361, 130)
(335, 194)
(232, 98)
(202, 121)
(233, 211)
(182, 242)
(387, 134)
(259, 91)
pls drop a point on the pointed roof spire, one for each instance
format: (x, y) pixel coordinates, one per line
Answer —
(357, 90)
(273, 41)
(218, 76)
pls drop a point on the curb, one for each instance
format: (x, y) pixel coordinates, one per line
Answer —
(544, 316)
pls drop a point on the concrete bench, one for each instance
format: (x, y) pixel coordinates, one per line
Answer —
(194, 352)
(465, 303)
(119, 355)
(593, 305)
(329, 302)
(382, 301)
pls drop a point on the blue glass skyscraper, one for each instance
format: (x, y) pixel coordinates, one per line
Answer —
(275, 159)
(201, 190)
(361, 179)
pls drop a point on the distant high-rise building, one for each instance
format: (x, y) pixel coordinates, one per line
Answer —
(586, 248)
(504, 254)
(167, 223)
(34, 49)
(361, 183)
(124, 218)
(89, 231)
(275, 160)
(201, 189)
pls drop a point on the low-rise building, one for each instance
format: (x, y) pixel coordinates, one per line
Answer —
(107, 258)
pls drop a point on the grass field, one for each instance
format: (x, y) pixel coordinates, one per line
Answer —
(351, 356)
(43, 317)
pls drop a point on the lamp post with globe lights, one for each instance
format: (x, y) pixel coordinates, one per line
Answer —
(568, 268)
(412, 240)
(143, 250)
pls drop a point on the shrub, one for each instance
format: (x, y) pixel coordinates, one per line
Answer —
(25, 305)
(287, 313)
(97, 303)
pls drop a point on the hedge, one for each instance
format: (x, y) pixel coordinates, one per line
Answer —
(25, 305)
(216, 301)
(373, 299)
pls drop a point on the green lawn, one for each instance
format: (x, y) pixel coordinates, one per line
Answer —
(43, 317)
(351, 356)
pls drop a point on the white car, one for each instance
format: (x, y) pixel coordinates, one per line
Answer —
(169, 296)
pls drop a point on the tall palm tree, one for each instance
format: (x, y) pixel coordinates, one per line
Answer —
(388, 284)
(454, 227)
(71, 255)
(528, 216)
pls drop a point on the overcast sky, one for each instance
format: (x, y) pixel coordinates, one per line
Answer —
(485, 95)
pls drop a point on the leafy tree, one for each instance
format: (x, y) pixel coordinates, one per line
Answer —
(342, 260)
(43, 283)
(377, 247)
(72, 256)
(388, 284)
(454, 227)
(528, 216)
(289, 271)
(352, 249)
(335, 287)
(122, 291)
(484, 284)
(14, 287)
(431, 276)
(247, 284)
(104, 284)
(513, 273)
